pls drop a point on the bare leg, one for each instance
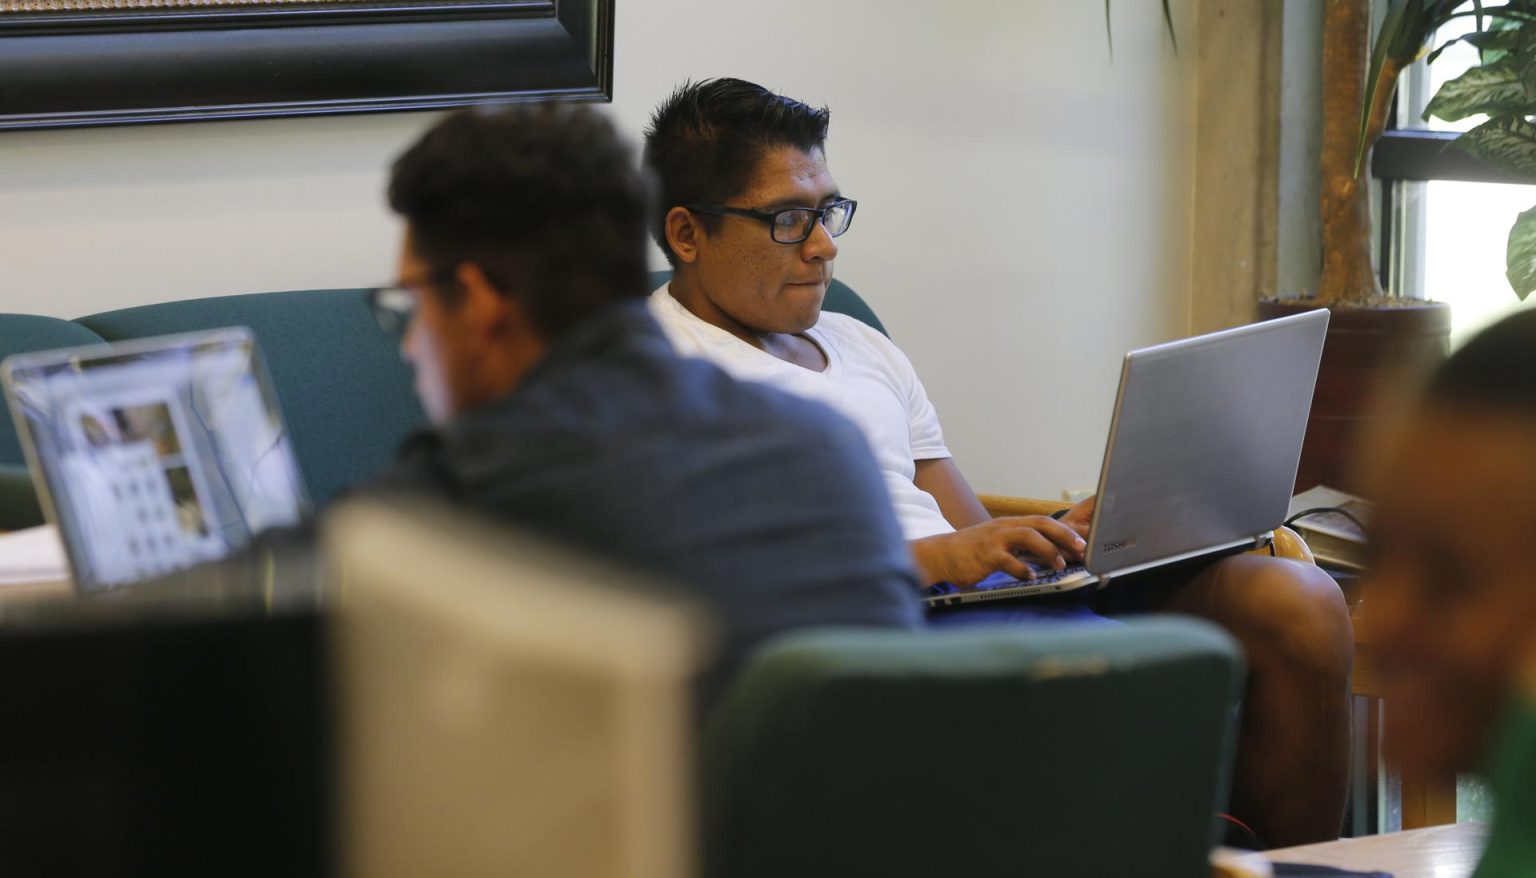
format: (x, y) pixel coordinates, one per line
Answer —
(1292, 774)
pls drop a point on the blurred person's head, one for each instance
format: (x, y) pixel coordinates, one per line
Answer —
(1451, 601)
(725, 143)
(521, 223)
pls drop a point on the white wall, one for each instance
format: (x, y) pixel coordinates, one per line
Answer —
(1024, 202)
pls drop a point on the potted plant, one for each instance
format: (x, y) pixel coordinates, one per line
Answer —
(1502, 87)
(1373, 335)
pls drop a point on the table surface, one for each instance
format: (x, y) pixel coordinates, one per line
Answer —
(1437, 852)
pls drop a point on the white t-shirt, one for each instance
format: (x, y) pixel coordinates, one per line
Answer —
(868, 379)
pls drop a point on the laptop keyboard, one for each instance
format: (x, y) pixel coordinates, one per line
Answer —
(1043, 576)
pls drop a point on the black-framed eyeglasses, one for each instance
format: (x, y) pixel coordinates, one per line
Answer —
(392, 308)
(794, 224)
(393, 305)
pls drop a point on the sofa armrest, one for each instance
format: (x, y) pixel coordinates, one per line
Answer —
(18, 501)
(998, 505)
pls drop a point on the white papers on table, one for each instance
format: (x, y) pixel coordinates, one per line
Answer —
(1335, 538)
(32, 556)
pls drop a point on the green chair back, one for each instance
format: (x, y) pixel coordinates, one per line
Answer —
(18, 501)
(1061, 751)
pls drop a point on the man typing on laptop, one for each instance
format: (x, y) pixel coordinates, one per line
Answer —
(748, 217)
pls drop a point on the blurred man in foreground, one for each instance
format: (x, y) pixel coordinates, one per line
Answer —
(1451, 600)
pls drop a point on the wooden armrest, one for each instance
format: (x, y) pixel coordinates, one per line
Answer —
(1289, 544)
(998, 506)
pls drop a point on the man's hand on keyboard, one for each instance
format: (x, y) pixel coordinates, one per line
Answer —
(970, 555)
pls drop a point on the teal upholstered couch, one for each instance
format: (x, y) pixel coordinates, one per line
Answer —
(1064, 752)
(344, 391)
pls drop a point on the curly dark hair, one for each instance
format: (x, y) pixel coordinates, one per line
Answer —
(705, 142)
(1495, 370)
(546, 198)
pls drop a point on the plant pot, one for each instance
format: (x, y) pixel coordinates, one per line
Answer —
(1365, 347)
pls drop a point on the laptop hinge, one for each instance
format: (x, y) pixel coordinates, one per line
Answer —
(1243, 544)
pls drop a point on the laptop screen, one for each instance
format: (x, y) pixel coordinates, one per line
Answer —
(157, 454)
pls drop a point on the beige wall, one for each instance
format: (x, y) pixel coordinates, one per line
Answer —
(1025, 207)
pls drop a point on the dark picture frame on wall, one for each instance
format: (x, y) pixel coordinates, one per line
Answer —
(69, 63)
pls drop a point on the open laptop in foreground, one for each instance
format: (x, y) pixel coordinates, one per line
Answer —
(154, 455)
(1201, 456)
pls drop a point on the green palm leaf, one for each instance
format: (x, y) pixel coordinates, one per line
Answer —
(1168, 19)
(1505, 87)
(1520, 256)
(1402, 28)
(1405, 32)
(1508, 145)
(1109, 30)
(1491, 44)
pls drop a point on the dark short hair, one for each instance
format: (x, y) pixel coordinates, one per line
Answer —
(705, 142)
(546, 198)
(1495, 370)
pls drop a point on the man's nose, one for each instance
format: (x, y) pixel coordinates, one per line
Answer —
(820, 244)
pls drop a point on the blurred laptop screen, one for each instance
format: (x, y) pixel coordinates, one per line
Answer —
(156, 455)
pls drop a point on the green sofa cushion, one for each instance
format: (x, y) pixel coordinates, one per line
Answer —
(840, 300)
(1055, 750)
(23, 333)
(346, 394)
(18, 502)
(344, 390)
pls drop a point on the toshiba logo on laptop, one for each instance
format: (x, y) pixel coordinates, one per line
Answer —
(1118, 545)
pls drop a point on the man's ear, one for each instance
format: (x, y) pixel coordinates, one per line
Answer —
(487, 311)
(683, 234)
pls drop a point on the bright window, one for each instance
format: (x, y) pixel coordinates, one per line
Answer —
(1447, 223)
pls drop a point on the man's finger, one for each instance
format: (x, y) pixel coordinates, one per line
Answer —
(1015, 566)
(1060, 534)
(1034, 544)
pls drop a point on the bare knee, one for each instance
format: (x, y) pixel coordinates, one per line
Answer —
(1282, 610)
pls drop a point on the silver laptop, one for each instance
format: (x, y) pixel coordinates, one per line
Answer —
(1201, 456)
(154, 455)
